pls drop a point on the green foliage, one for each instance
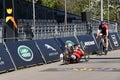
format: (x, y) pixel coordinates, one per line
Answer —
(78, 6)
(50, 3)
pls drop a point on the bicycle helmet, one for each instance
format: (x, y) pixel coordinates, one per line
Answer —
(103, 22)
(69, 43)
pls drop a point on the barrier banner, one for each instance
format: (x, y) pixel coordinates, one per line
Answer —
(118, 34)
(63, 40)
(115, 41)
(88, 43)
(5, 61)
(24, 53)
(49, 49)
(10, 30)
(10, 13)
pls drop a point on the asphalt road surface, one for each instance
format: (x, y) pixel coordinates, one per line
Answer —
(105, 67)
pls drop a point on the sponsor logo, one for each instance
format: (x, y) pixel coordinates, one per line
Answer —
(89, 43)
(115, 40)
(25, 53)
(53, 53)
(9, 11)
(11, 18)
(50, 47)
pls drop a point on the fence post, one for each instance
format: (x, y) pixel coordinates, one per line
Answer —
(1, 32)
(56, 32)
(75, 31)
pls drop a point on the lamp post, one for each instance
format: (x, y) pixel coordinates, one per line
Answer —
(65, 13)
(101, 10)
(33, 1)
(108, 11)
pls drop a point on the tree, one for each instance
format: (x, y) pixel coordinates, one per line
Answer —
(49, 3)
(78, 6)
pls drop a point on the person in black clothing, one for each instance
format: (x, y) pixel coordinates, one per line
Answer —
(28, 32)
(103, 31)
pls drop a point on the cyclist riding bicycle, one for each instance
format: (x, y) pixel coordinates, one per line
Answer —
(103, 31)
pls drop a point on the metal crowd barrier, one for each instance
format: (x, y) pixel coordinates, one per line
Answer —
(50, 28)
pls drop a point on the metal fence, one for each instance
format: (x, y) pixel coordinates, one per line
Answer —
(50, 28)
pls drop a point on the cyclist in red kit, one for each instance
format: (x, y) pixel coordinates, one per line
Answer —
(103, 30)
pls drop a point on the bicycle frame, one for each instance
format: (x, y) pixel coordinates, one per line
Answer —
(102, 44)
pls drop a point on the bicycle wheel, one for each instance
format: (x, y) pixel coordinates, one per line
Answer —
(66, 58)
(86, 56)
(105, 51)
(86, 53)
(101, 48)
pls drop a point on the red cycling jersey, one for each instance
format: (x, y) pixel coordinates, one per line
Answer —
(78, 54)
(103, 29)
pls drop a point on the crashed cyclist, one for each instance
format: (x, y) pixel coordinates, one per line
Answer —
(74, 51)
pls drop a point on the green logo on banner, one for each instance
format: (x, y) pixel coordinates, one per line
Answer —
(25, 53)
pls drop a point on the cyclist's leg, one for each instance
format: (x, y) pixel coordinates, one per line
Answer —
(106, 45)
(73, 57)
(101, 45)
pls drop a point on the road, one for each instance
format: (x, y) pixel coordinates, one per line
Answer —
(106, 67)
